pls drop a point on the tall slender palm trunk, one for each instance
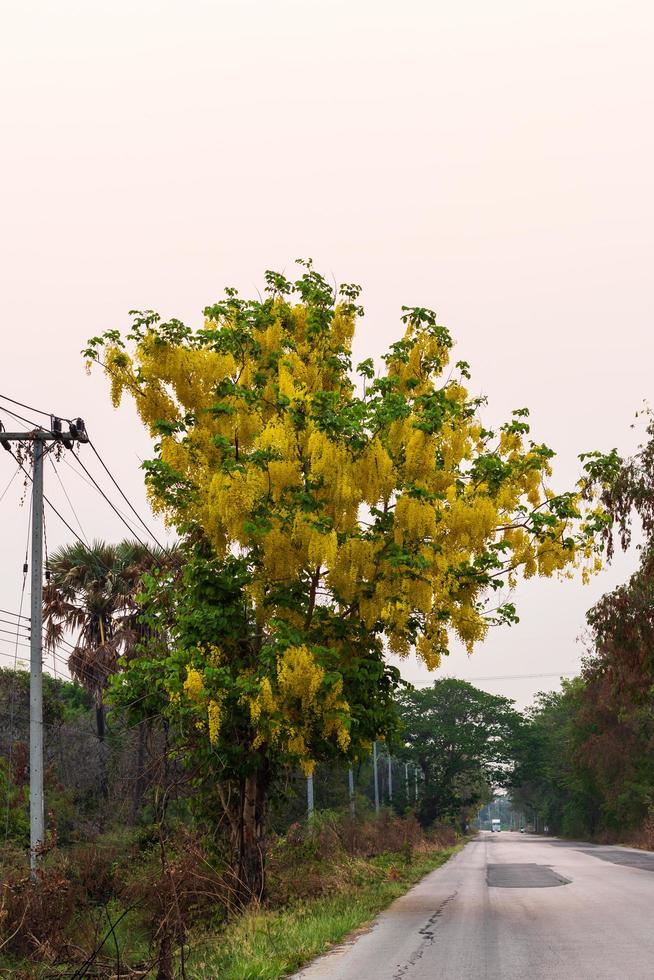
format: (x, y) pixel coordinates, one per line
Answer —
(103, 749)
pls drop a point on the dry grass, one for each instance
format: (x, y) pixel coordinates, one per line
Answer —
(122, 906)
(326, 880)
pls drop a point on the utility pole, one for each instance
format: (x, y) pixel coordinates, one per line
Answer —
(38, 438)
(309, 797)
(390, 778)
(375, 775)
(406, 781)
(350, 790)
(37, 828)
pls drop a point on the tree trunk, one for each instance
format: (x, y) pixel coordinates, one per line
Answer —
(100, 719)
(139, 779)
(252, 844)
(165, 958)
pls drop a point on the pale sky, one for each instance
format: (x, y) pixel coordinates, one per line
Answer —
(492, 161)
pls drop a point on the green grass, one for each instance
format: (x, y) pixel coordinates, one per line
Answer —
(321, 889)
(267, 945)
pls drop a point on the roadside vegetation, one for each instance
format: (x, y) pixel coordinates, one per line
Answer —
(464, 742)
(586, 765)
(326, 515)
(274, 942)
(140, 894)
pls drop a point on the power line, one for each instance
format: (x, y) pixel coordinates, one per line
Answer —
(4, 492)
(81, 477)
(29, 407)
(127, 501)
(16, 615)
(63, 519)
(102, 669)
(70, 504)
(503, 677)
(102, 462)
(488, 677)
(62, 659)
(12, 644)
(21, 418)
(10, 632)
(91, 482)
(423, 684)
(61, 641)
(159, 562)
(17, 626)
(26, 646)
(60, 644)
(115, 510)
(67, 525)
(47, 500)
(10, 655)
(102, 493)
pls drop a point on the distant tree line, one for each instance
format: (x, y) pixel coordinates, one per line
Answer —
(586, 763)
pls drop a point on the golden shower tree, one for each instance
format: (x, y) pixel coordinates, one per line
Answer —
(329, 515)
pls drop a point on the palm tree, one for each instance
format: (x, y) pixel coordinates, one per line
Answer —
(92, 592)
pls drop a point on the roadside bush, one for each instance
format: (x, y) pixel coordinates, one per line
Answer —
(327, 854)
(14, 815)
(60, 917)
(644, 838)
(133, 898)
(35, 916)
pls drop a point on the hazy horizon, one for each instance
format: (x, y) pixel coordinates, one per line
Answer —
(492, 163)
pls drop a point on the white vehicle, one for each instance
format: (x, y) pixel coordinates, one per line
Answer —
(495, 826)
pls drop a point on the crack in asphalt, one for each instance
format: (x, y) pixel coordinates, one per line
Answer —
(429, 933)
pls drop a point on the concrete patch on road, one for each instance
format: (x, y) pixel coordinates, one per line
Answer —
(575, 845)
(523, 876)
(644, 860)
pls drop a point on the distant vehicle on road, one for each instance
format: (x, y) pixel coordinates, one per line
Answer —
(495, 826)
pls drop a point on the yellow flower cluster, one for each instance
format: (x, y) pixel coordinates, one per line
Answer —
(331, 466)
(192, 373)
(471, 523)
(214, 719)
(432, 643)
(194, 684)
(388, 522)
(470, 625)
(414, 518)
(355, 566)
(210, 707)
(374, 473)
(299, 677)
(299, 706)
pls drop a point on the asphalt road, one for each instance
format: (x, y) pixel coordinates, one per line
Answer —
(513, 906)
